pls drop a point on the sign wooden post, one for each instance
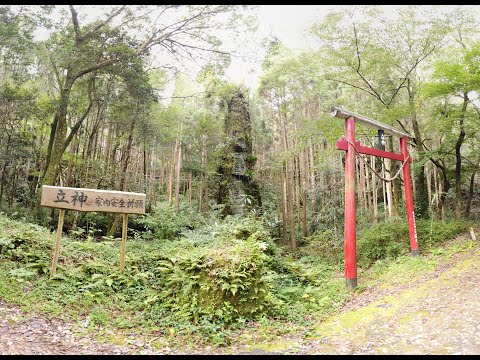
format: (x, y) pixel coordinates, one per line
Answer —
(91, 200)
(56, 252)
(124, 242)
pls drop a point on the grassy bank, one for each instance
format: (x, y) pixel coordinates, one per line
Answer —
(221, 283)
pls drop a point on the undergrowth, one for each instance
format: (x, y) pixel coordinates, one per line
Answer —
(213, 280)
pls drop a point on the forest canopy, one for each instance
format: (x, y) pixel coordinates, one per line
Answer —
(83, 105)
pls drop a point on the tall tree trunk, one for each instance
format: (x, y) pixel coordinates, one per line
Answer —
(312, 170)
(58, 133)
(443, 187)
(284, 204)
(189, 188)
(384, 191)
(458, 161)
(429, 189)
(288, 181)
(123, 175)
(388, 186)
(200, 191)
(304, 213)
(368, 188)
(203, 200)
(470, 196)
(4, 169)
(421, 200)
(170, 174)
(153, 170)
(296, 184)
(290, 204)
(108, 149)
(279, 206)
(375, 191)
(436, 186)
(363, 183)
(304, 192)
(177, 177)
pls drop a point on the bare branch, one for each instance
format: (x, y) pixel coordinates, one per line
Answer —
(97, 66)
(76, 26)
(358, 87)
(157, 37)
(55, 69)
(197, 47)
(76, 127)
(184, 97)
(357, 70)
(154, 40)
(357, 49)
(437, 164)
(184, 22)
(403, 127)
(172, 51)
(418, 61)
(101, 24)
(460, 39)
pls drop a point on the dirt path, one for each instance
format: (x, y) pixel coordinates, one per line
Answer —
(439, 314)
(32, 335)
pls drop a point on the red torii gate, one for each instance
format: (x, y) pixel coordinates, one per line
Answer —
(349, 145)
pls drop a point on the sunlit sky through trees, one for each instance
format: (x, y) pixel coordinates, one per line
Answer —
(288, 23)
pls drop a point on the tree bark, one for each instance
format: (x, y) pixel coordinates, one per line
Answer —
(58, 133)
(388, 186)
(123, 176)
(170, 174)
(284, 204)
(470, 195)
(375, 192)
(177, 177)
(443, 187)
(458, 161)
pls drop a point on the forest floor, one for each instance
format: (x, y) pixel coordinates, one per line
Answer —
(436, 313)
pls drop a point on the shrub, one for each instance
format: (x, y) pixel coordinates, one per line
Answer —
(166, 223)
(306, 287)
(327, 245)
(20, 242)
(94, 222)
(217, 274)
(390, 240)
(435, 233)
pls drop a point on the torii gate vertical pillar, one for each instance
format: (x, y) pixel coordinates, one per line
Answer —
(409, 199)
(350, 230)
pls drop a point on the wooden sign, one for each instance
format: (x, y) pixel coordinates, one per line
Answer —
(93, 200)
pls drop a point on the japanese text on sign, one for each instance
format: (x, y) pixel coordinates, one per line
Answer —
(93, 200)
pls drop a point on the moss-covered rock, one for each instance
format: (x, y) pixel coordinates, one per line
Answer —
(238, 189)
